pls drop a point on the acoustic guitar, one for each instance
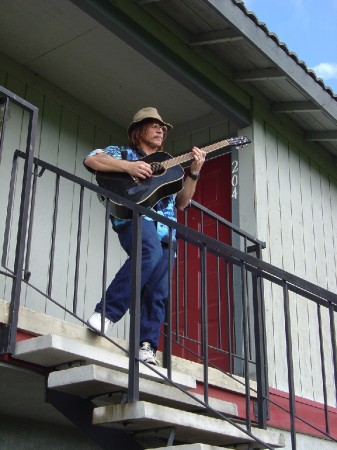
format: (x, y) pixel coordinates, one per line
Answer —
(167, 178)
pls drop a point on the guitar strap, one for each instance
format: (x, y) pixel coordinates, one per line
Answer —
(140, 152)
(156, 210)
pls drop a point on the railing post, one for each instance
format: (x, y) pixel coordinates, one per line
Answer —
(4, 105)
(262, 407)
(204, 320)
(9, 331)
(245, 326)
(167, 355)
(291, 385)
(136, 261)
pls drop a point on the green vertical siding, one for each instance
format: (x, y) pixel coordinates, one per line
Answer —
(66, 132)
(296, 190)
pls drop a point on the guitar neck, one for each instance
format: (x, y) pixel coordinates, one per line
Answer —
(189, 156)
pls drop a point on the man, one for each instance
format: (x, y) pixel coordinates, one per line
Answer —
(146, 133)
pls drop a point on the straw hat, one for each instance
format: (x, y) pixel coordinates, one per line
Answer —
(146, 114)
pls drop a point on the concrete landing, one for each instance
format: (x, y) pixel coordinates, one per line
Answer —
(53, 351)
(92, 380)
(189, 427)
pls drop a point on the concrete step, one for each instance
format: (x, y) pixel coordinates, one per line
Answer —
(199, 446)
(158, 421)
(92, 381)
(53, 351)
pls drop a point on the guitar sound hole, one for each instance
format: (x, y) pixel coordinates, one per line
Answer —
(157, 169)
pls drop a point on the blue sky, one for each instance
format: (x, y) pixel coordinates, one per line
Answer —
(308, 28)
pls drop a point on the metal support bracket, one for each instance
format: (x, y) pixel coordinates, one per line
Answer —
(4, 336)
(79, 411)
(172, 435)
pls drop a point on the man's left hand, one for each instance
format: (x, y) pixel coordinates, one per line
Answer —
(199, 159)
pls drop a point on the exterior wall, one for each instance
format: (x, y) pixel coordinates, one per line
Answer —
(295, 197)
(66, 131)
(305, 442)
(296, 191)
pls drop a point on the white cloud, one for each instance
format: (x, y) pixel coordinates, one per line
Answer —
(326, 71)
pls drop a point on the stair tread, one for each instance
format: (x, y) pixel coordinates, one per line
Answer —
(53, 350)
(93, 380)
(194, 446)
(189, 427)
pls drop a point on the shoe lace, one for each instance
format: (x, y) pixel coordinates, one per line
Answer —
(146, 346)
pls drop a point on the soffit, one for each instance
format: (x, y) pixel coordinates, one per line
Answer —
(61, 43)
(58, 41)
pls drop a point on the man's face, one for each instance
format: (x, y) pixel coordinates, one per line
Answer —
(154, 134)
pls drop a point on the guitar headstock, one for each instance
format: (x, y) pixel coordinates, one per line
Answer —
(239, 141)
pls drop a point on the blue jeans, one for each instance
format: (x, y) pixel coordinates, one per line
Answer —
(154, 283)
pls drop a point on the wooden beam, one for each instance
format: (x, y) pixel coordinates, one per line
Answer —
(328, 135)
(258, 74)
(215, 37)
(292, 107)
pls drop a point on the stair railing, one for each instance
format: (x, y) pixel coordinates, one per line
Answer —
(282, 286)
(252, 271)
(40, 170)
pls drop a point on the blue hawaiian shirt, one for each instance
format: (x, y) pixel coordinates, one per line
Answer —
(165, 207)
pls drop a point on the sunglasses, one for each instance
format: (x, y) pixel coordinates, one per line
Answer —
(156, 126)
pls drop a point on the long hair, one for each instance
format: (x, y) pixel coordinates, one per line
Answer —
(138, 132)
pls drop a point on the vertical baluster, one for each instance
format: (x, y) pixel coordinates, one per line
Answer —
(105, 261)
(9, 211)
(204, 317)
(322, 354)
(53, 235)
(333, 343)
(78, 249)
(292, 404)
(136, 259)
(246, 344)
(168, 327)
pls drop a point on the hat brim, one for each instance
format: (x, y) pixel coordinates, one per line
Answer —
(147, 119)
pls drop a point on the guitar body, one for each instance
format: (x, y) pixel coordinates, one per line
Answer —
(167, 179)
(147, 192)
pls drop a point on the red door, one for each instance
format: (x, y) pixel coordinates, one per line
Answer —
(213, 192)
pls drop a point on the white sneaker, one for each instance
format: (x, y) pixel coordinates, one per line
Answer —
(147, 354)
(95, 323)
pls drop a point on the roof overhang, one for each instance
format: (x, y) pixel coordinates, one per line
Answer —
(198, 61)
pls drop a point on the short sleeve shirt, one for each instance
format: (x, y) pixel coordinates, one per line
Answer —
(165, 207)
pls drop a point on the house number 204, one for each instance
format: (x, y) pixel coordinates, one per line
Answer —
(235, 178)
